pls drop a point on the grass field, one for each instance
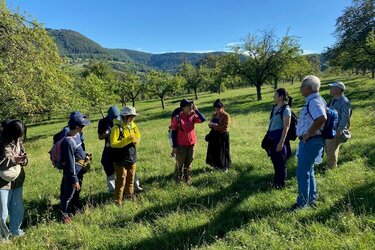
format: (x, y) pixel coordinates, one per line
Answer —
(234, 210)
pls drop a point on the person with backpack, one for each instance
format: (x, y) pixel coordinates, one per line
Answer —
(311, 119)
(13, 158)
(104, 130)
(73, 157)
(184, 139)
(280, 120)
(341, 104)
(218, 148)
(124, 138)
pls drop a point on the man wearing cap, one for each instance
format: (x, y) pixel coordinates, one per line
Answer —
(184, 139)
(312, 117)
(342, 105)
(71, 153)
(124, 138)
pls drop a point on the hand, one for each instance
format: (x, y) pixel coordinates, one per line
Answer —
(279, 147)
(305, 137)
(76, 186)
(193, 107)
(20, 158)
(174, 150)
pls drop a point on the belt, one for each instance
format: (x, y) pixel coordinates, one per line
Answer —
(312, 137)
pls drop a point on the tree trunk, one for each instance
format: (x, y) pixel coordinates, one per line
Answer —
(196, 93)
(162, 102)
(133, 101)
(275, 82)
(259, 91)
(373, 73)
(292, 80)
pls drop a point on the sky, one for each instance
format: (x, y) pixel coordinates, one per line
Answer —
(159, 26)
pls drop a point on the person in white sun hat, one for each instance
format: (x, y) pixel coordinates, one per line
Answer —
(124, 138)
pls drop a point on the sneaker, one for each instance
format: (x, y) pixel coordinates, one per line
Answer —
(296, 207)
(66, 219)
(19, 233)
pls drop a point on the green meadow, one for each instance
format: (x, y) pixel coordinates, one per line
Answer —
(234, 210)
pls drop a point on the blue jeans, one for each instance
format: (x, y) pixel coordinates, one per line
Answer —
(11, 204)
(307, 152)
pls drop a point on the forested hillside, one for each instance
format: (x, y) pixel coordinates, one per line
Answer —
(74, 45)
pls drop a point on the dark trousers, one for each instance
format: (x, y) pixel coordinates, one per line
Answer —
(279, 164)
(69, 196)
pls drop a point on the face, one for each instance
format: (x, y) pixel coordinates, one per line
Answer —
(277, 98)
(305, 89)
(187, 109)
(335, 91)
(130, 118)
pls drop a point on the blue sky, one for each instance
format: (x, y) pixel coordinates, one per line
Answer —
(158, 26)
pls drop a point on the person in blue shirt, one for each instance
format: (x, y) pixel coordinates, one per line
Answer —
(72, 153)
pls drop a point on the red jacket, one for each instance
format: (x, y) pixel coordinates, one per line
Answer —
(184, 126)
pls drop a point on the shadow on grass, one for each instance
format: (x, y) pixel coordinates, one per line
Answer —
(43, 211)
(359, 201)
(230, 218)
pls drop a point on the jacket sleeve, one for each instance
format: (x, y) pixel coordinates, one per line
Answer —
(199, 117)
(67, 150)
(344, 116)
(223, 123)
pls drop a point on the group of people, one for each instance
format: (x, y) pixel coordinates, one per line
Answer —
(122, 136)
(309, 131)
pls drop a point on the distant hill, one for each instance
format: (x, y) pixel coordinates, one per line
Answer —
(76, 46)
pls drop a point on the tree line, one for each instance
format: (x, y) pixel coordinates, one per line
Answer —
(37, 84)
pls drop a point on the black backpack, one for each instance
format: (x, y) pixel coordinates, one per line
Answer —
(292, 132)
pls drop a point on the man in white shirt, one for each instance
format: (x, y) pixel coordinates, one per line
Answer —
(311, 119)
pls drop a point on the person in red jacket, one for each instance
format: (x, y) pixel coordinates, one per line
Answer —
(184, 139)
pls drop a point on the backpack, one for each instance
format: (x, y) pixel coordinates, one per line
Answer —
(55, 151)
(330, 126)
(176, 113)
(292, 132)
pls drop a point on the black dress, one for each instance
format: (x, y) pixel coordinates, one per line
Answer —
(218, 150)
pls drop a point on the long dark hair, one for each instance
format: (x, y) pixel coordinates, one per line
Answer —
(14, 130)
(287, 99)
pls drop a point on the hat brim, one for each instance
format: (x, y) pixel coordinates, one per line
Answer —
(126, 114)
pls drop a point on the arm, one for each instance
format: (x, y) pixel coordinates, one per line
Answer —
(286, 122)
(199, 116)
(318, 123)
(223, 123)
(67, 149)
(174, 128)
(344, 117)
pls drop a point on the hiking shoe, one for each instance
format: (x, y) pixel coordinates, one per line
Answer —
(66, 219)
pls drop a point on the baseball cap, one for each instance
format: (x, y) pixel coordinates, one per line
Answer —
(77, 119)
(337, 84)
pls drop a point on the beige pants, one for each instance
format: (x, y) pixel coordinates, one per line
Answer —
(332, 151)
(124, 180)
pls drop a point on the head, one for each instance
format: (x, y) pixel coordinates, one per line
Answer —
(77, 121)
(13, 131)
(128, 114)
(218, 105)
(310, 84)
(186, 105)
(113, 112)
(337, 88)
(281, 96)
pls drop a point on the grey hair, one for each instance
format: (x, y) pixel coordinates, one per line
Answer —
(312, 81)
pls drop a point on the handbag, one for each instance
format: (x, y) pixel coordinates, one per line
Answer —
(11, 173)
(344, 136)
(208, 137)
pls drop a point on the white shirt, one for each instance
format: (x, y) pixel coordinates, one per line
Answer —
(317, 108)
